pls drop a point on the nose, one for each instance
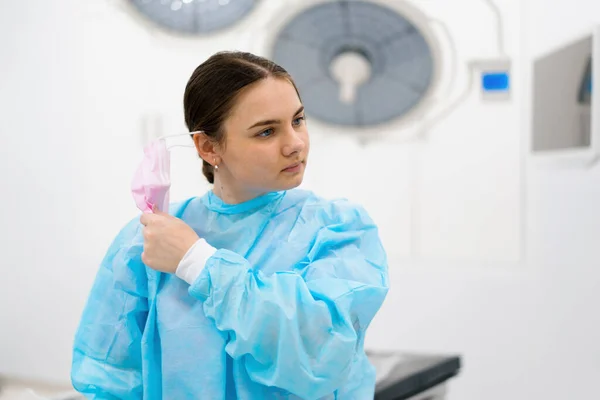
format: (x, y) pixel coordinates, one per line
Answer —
(294, 142)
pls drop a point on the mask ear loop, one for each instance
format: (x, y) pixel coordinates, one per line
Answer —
(178, 135)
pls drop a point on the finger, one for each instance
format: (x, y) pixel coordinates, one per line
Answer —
(147, 219)
(145, 259)
(156, 211)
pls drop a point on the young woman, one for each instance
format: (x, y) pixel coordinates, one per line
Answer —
(256, 290)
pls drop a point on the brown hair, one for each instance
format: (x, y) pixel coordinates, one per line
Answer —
(213, 87)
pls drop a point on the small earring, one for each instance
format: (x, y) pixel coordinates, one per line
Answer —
(216, 168)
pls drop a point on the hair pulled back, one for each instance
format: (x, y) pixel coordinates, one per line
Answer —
(212, 89)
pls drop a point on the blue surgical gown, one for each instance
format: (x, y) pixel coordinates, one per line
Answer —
(280, 310)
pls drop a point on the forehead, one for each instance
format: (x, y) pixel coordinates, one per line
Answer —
(271, 98)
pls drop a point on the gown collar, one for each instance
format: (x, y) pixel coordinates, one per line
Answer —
(216, 204)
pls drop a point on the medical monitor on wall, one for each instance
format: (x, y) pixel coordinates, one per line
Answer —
(566, 103)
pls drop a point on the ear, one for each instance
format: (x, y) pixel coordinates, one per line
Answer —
(207, 149)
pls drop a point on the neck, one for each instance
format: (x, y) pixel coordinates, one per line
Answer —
(230, 194)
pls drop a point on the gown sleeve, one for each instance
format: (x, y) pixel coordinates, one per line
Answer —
(107, 358)
(300, 331)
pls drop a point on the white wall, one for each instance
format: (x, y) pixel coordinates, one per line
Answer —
(530, 332)
(41, 123)
(71, 102)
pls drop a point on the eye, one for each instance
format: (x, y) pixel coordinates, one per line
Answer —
(298, 121)
(266, 133)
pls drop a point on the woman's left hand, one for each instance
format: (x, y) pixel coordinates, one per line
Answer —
(166, 240)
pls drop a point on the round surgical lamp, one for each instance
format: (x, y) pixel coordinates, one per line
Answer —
(350, 69)
(356, 63)
(194, 17)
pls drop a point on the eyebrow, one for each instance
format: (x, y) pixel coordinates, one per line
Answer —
(274, 121)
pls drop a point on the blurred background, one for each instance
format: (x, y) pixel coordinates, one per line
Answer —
(469, 130)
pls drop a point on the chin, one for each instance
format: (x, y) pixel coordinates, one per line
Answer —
(293, 186)
(289, 184)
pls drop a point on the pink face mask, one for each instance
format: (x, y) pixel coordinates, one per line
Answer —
(152, 180)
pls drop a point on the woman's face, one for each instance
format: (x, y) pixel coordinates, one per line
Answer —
(266, 140)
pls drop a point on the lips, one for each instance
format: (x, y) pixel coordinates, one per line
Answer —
(295, 167)
(292, 166)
